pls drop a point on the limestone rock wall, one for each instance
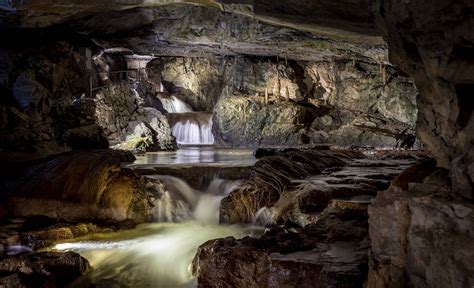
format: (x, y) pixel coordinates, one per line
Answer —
(46, 106)
(38, 88)
(421, 229)
(340, 102)
(440, 60)
(126, 120)
(420, 235)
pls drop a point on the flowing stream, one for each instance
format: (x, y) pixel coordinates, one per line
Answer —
(152, 255)
(159, 254)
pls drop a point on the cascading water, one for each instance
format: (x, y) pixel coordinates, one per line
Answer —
(159, 255)
(173, 104)
(185, 203)
(192, 128)
(189, 128)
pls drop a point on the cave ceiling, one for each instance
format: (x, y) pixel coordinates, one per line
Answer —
(302, 30)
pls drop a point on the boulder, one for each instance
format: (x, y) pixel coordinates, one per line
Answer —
(279, 123)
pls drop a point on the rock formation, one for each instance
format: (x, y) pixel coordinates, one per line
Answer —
(126, 121)
(80, 186)
(420, 234)
(273, 73)
(45, 269)
(341, 102)
(331, 253)
(440, 63)
(421, 228)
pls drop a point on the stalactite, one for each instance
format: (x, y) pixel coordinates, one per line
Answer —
(266, 95)
(278, 81)
(185, 69)
(278, 87)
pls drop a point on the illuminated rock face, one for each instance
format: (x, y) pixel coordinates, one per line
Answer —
(339, 102)
(87, 186)
(226, 52)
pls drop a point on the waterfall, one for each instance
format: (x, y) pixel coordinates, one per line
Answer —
(173, 104)
(189, 128)
(181, 202)
(192, 128)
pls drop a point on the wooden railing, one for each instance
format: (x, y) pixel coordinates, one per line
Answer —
(130, 76)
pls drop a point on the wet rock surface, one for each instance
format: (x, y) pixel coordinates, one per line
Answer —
(353, 185)
(331, 253)
(271, 175)
(78, 186)
(282, 188)
(319, 236)
(199, 177)
(42, 269)
(21, 235)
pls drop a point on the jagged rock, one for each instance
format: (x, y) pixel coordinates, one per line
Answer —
(439, 60)
(80, 186)
(191, 30)
(44, 269)
(421, 237)
(39, 87)
(357, 102)
(122, 114)
(330, 253)
(351, 186)
(271, 176)
(141, 138)
(280, 123)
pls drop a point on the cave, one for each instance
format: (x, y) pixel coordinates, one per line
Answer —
(236, 143)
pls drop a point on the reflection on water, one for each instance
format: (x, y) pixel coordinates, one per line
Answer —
(152, 255)
(199, 155)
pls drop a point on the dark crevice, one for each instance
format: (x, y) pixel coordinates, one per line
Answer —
(465, 99)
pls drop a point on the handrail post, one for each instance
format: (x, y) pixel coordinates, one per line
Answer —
(90, 85)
